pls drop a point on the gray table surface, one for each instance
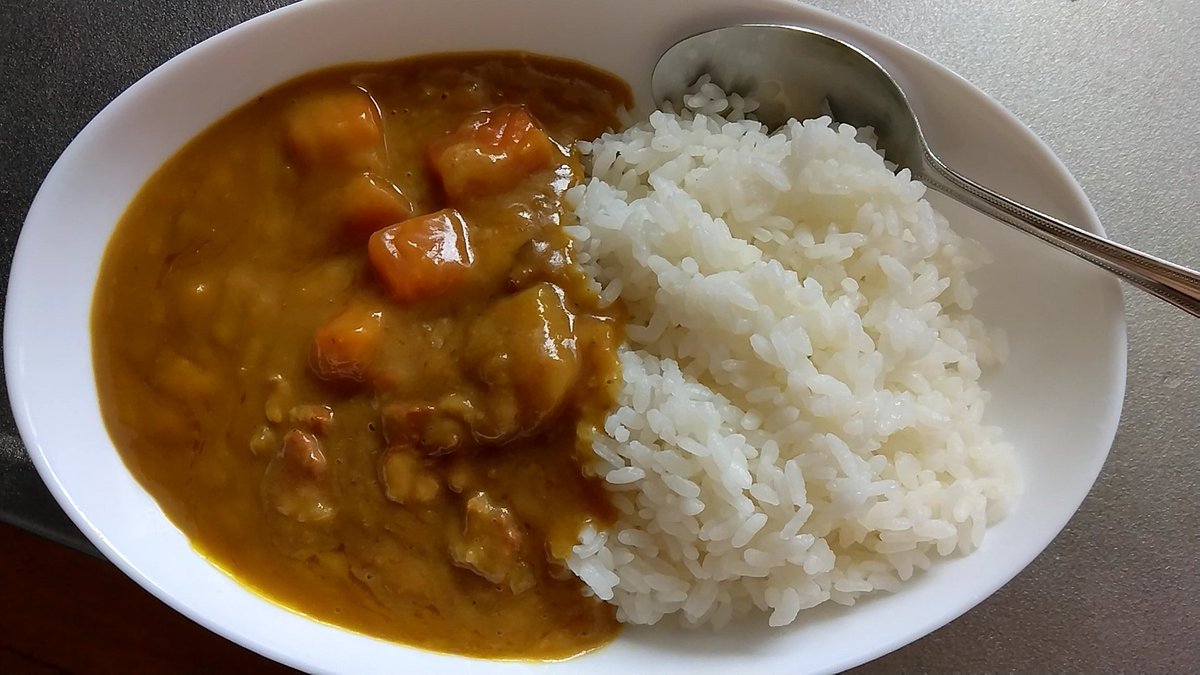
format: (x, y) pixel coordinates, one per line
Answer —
(1111, 85)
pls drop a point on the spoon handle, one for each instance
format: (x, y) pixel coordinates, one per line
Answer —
(1176, 284)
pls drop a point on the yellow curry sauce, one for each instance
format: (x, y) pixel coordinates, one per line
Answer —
(341, 339)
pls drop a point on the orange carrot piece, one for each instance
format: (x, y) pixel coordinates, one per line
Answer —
(422, 258)
(345, 346)
(491, 152)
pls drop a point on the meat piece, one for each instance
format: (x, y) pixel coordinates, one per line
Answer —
(490, 545)
(368, 203)
(301, 451)
(338, 130)
(434, 430)
(491, 152)
(345, 346)
(313, 417)
(406, 478)
(296, 483)
(523, 350)
(422, 258)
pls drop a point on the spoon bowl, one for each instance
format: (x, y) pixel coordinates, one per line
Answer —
(763, 62)
(798, 73)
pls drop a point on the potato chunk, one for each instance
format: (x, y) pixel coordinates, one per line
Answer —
(368, 203)
(422, 258)
(336, 129)
(491, 152)
(523, 349)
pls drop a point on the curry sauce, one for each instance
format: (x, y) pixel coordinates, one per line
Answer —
(341, 338)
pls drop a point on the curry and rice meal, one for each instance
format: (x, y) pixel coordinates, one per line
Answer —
(436, 351)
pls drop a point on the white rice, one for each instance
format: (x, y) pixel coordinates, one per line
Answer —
(801, 415)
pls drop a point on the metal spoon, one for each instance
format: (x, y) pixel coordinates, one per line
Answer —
(793, 72)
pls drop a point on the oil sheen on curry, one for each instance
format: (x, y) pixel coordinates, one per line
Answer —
(341, 339)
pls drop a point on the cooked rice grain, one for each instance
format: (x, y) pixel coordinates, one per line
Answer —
(801, 415)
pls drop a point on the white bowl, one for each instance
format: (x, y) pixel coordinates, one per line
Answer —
(1058, 397)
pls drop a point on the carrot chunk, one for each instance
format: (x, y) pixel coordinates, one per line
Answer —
(368, 203)
(344, 347)
(423, 257)
(338, 129)
(491, 152)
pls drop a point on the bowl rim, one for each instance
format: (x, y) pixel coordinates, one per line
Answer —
(860, 35)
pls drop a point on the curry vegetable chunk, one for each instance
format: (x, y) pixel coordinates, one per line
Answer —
(345, 346)
(341, 339)
(423, 258)
(338, 128)
(368, 203)
(530, 332)
(491, 152)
